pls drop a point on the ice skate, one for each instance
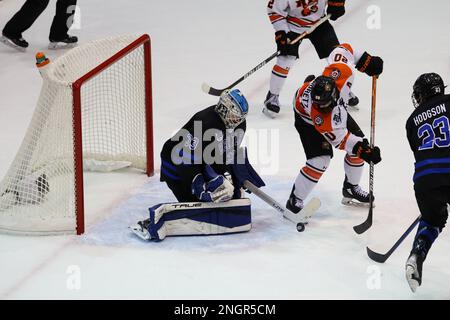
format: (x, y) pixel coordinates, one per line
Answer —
(140, 229)
(354, 195)
(414, 271)
(298, 212)
(17, 43)
(353, 102)
(271, 105)
(294, 204)
(65, 43)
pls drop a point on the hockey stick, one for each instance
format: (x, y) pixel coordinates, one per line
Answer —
(217, 92)
(378, 257)
(299, 219)
(363, 227)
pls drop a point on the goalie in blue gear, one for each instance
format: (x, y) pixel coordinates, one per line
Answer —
(199, 165)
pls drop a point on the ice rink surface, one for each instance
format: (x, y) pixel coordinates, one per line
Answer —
(217, 42)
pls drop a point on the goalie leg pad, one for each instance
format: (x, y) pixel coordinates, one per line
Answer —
(199, 218)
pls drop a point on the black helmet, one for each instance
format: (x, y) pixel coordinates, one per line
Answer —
(324, 93)
(426, 86)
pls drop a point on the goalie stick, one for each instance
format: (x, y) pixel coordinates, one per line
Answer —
(217, 92)
(300, 219)
(378, 257)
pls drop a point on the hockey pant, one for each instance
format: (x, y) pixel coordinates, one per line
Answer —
(199, 218)
(315, 167)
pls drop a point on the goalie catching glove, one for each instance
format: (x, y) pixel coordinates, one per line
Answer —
(215, 188)
(363, 150)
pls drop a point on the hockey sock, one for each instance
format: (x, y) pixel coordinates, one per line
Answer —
(353, 167)
(425, 236)
(280, 72)
(309, 176)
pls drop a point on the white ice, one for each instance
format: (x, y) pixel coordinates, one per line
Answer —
(218, 41)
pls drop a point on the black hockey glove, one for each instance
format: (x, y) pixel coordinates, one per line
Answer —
(282, 43)
(371, 65)
(336, 8)
(365, 152)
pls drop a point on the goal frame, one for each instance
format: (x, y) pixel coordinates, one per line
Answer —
(144, 41)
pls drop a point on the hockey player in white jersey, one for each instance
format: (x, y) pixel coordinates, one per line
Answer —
(322, 126)
(290, 18)
(341, 64)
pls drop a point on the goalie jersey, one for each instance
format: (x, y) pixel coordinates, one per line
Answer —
(428, 132)
(202, 140)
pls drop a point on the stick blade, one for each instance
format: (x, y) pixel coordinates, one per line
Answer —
(210, 90)
(375, 256)
(363, 227)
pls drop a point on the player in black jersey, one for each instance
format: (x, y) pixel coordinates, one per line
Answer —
(428, 132)
(194, 161)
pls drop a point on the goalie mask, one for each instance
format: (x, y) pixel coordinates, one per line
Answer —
(232, 108)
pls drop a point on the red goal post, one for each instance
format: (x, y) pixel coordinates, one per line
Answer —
(94, 112)
(144, 41)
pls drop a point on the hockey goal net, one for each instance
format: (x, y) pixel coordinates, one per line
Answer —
(94, 109)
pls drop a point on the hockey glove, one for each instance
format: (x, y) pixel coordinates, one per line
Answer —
(221, 188)
(282, 43)
(365, 152)
(371, 65)
(336, 8)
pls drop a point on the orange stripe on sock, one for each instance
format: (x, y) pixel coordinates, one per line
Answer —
(313, 174)
(280, 70)
(354, 160)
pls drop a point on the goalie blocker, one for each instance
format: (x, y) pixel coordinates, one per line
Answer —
(195, 218)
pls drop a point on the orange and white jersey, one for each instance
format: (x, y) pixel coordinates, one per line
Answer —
(295, 15)
(332, 125)
(341, 63)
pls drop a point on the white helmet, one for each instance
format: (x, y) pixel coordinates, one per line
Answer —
(232, 108)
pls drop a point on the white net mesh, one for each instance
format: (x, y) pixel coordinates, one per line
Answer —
(37, 195)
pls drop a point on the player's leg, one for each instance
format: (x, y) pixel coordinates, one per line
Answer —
(195, 218)
(318, 154)
(351, 191)
(433, 208)
(353, 168)
(324, 39)
(62, 21)
(22, 21)
(280, 72)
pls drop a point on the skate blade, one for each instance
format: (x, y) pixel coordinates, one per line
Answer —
(141, 233)
(413, 283)
(268, 113)
(355, 203)
(61, 45)
(7, 42)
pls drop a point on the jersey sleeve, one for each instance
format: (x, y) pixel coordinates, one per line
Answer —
(333, 126)
(277, 11)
